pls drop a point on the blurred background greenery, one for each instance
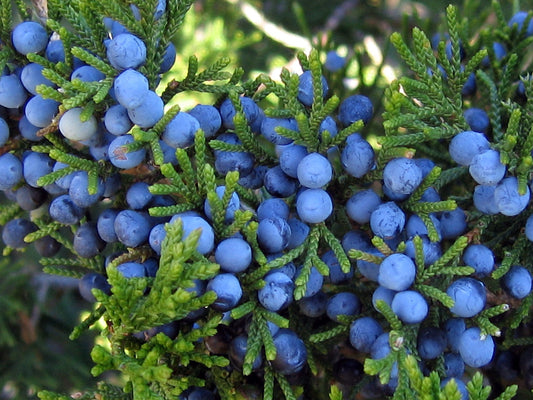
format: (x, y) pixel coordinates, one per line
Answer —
(39, 311)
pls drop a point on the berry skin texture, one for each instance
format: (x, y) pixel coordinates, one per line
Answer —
(119, 155)
(397, 272)
(277, 292)
(64, 210)
(29, 37)
(148, 112)
(73, 128)
(314, 171)
(431, 342)
(364, 332)
(469, 296)
(529, 228)
(206, 242)
(465, 145)
(358, 157)
(314, 206)
(402, 175)
(228, 290)
(12, 93)
(92, 281)
(14, 232)
(291, 354)
(477, 119)
(387, 220)
(507, 198)
(305, 88)
(87, 243)
(355, 108)
(132, 227)
(126, 51)
(486, 168)
(454, 328)
(273, 234)
(361, 205)
(479, 257)
(130, 88)
(410, 306)
(343, 303)
(334, 61)
(517, 282)
(11, 168)
(475, 350)
(40, 111)
(180, 131)
(234, 255)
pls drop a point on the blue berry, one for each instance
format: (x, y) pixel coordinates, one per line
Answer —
(384, 294)
(343, 303)
(415, 226)
(277, 292)
(486, 168)
(397, 272)
(273, 234)
(313, 306)
(92, 281)
(65, 211)
(278, 184)
(299, 233)
(87, 243)
(251, 110)
(314, 206)
(355, 108)
(454, 366)
(4, 132)
(305, 88)
(237, 352)
(122, 158)
(484, 199)
(11, 168)
(132, 227)
(27, 129)
(233, 255)
(47, 246)
(402, 175)
(156, 237)
(518, 19)
(477, 119)
(228, 290)
(336, 275)
(508, 199)
(272, 208)
(12, 93)
(460, 386)
(72, 127)
(15, 230)
(29, 37)
(288, 269)
(356, 239)
(430, 250)
(358, 156)
(328, 124)
(55, 51)
(148, 112)
(79, 190)
(106, 225)
(291, 354)
(169, 58)
(180, 131)
(476, 350)
(36, 165)
(454, 328)
(87, 73)
(269, 129)
(410, 306)
(40, 111)
(290, 158)
(369, 269)
(453, 223)
(126, 51)
(206, 242)
(479, 257)
(226, 161)
(334, 61)
(469, 297)
(364, 332)
(314, 171)
(517, 282)
(314, 283)
(131, 270)
(208, 118)
(30, 198)
(465, 145)
(431, 342)
(529, 228)
(361, 205)
(32, 76)
(130, 88)
(138, 196)
(387, 220)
